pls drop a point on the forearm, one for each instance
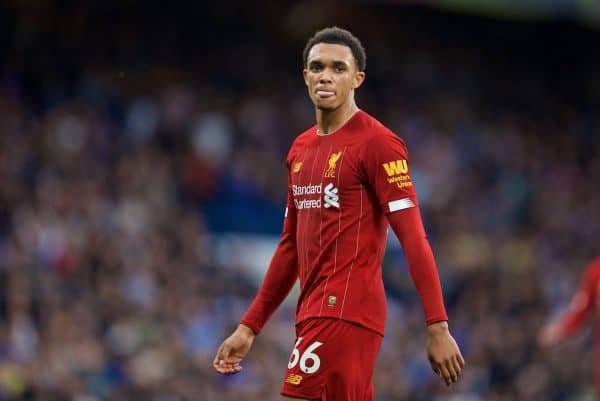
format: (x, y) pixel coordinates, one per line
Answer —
(570, 325)
(582, 304)
(408, 227)
(573, 321)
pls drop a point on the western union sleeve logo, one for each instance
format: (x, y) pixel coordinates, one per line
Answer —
(396, 167)
(294, 379)
(297, 166)
(397, 172)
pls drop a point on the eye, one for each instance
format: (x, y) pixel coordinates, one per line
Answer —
(339, 69)
(315, 68)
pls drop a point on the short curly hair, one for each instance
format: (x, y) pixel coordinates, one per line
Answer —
(338, 36)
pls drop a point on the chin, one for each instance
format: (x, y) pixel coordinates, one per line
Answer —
(327, 107)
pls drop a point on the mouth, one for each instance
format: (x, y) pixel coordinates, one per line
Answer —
(324, 94)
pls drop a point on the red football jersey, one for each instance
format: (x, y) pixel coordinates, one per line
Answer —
(586, 302)
(341, 186)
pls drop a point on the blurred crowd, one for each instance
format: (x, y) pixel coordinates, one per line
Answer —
(118, 172)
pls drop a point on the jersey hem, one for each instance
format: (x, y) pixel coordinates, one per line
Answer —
(356, 322)
(251, 326)
(436, 320)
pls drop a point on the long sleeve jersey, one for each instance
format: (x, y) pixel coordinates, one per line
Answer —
(344, 190)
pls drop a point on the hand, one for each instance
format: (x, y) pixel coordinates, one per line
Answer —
(443, 353)
(233, 350)
(549, 336)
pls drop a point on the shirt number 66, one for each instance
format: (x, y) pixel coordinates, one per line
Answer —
(307, 355)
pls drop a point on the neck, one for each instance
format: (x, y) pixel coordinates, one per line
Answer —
(329, 121)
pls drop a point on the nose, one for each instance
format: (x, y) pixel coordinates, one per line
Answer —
(325, 77)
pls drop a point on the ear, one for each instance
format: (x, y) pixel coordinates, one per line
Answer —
(359, 78)
(305, 75)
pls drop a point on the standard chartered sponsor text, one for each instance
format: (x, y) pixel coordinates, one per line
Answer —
(299, 190)
(306, 189)
(307, 203)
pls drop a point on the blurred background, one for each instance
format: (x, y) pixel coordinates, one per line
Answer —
(142, 188)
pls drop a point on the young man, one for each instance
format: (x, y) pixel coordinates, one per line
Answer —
(585, 302)
(348, 177)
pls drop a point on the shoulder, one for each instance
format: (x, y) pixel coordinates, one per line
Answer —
(376, 136)
(300, 142)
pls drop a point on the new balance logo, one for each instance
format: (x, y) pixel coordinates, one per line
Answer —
(331, 196)
(294, 379)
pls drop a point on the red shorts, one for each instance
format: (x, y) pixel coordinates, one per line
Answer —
(332, 360)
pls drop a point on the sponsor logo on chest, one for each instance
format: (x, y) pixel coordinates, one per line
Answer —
(315, 196)
(303, 199)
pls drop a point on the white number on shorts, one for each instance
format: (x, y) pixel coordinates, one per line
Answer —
(307, 355)
(295, 355)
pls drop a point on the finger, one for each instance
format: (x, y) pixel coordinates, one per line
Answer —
(434, 366)
(450, 366)
(232, 361)
(225, 368)
(225, 351)
(225, 364)
(461, 360)
(218, 361)
(221, 367)
(232, 371)
(445, 375)
(217, 356)
(232, 368)
(222, 362)
(457, 367)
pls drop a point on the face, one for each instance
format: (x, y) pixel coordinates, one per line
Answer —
(331, 75)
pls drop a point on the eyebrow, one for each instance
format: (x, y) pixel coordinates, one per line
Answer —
(334, 62)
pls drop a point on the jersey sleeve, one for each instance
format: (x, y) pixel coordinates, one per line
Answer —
(408, 227)
(281, 274)
(582, 303)
(386, 170)
(290, 206)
